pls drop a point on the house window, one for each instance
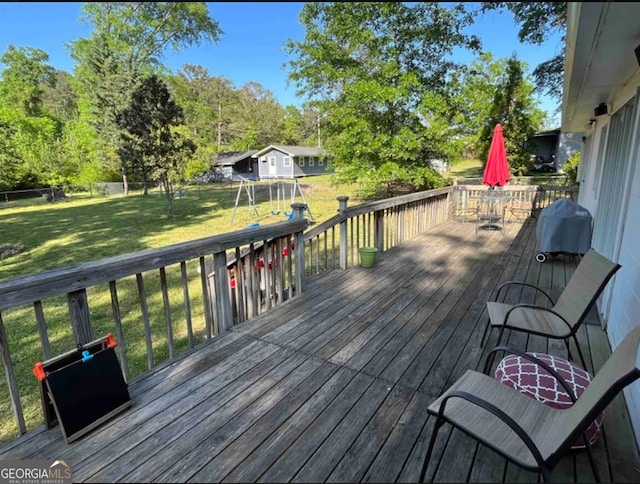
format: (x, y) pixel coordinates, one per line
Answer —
(312, 161)
(286, 161)
(272, 160)
(320, 161)
(302, 161)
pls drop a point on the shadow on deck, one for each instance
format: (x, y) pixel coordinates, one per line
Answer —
(334, 384)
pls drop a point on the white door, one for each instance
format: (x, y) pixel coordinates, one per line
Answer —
(272, 166)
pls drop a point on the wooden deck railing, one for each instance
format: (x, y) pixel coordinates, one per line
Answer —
(382, 224)
(219, 281)
(209, 271)
(528, 198)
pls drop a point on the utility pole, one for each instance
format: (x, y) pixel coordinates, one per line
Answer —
(219, 122)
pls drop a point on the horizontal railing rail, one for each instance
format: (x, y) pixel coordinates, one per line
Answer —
(527, 199)
(382, 224)
(148, 296)
(161, 302)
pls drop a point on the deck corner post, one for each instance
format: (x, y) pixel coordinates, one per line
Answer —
(342, 203)
(298, 241)
(11, 381)
(344, 246)
(224, 313)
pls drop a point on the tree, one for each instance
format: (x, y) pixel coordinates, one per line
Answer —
(257, 118)
(367, 66)
(537, 20)
(23, 77)
(60, 98)
(466, 112)
(10, 162)
(208, 103)
(150, 143)
(32, 132)
(128, 42)
(301, 127)
(514, 108)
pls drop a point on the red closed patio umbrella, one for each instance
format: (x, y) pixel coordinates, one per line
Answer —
(496, 171)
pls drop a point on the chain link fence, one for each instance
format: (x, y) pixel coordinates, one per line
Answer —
(36, 196)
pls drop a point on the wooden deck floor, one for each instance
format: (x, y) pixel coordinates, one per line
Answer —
(333, 385)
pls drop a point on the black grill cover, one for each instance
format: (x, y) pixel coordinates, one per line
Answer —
(564, 226)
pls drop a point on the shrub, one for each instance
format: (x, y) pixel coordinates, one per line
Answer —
(570, 169)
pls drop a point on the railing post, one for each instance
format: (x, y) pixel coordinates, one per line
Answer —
(342, 206)
(11, 381)
(298, 243)
(80, 316)
(224, 311)
(378, 230)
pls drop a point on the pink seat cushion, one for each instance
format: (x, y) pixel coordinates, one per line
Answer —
(536, 382)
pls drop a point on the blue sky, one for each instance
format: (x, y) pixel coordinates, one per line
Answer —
(250, 48)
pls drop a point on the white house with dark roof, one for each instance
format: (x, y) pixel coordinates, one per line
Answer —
(278, 161)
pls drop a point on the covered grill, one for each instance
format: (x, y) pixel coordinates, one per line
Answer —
(564, 226)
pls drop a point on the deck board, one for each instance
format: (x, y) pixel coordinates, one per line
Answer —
(332, 385)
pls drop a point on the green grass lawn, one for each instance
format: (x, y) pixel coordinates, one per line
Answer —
(63, 233)
(465, 169)
(84, 228)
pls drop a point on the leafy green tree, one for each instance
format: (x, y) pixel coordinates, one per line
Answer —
(150, 143)
(570, 169)
(32, 131)
(537, 20)
(128, 42)
(208, 103)
(302, 126)
(515, 109)
(60, 98)
(10, 162)
(257, 118)
(464, 115)
(23, 77)
(368, 66)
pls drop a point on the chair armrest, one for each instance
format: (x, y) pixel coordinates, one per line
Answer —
(508, 283)
(535, 360)
(536, 308)
(489, 407)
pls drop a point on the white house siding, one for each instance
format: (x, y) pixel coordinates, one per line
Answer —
(620, 303)
(281, 170)
(625, 298)
(308, 170)
(568, 144)
(591, 167)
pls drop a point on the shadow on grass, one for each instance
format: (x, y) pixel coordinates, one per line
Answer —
(71, 232)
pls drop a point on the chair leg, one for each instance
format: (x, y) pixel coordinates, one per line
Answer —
(432, 442)
(493, 356)
(584, 363)
(486, 329)
(596, 474)
(546, 474)
(569, 355)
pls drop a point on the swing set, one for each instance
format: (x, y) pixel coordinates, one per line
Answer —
(277, 197)
(249, 189)
(280, 197)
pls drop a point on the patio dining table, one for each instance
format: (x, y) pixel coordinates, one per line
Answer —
(489, 208)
